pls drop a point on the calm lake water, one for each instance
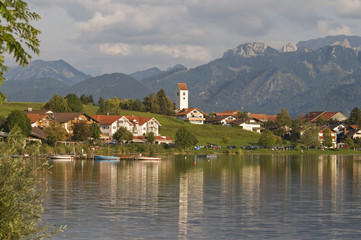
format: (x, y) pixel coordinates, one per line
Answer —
(230, 197)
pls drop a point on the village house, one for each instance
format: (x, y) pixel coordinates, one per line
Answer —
(263, 117)
(138, 126)
(108, 125)
(333, 136)
(193, 115)
(39, 120)
(313, 117)
(249, 124)
(143, 125)
(227, 113)
(221, 120)
(68, 119)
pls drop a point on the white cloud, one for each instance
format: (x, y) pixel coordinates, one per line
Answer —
(349, 8)
(324, 27)
(187, 51)
(115, 49)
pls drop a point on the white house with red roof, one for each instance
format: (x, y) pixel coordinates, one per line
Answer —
(181, 98)
(193, 115)
(143, 125)
(138, 126)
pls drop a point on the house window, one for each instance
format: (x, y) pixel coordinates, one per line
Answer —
(177, 93)
(184, 94)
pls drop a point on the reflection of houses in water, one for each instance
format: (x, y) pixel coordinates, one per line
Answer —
(190, 201)
(142, 176)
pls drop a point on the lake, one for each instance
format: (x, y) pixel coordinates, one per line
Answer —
(250, 196)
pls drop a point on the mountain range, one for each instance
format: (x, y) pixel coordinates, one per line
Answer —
(313, 75)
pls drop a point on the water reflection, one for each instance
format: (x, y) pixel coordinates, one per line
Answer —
(232, 197)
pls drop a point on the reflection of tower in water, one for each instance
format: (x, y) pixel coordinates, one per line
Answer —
(190, 201)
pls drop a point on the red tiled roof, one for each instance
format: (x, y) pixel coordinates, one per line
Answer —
(35, 117)
(106, 119)
(139, 120)
(185, 111)
(182, 86)
(263, 117)
(327, 115)
(227, 113)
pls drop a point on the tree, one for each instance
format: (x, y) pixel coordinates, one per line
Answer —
(17, 36)
(122, 134)
(226, 139)
(243, 114)
(3, 98)
(57, 104)
(110, 106)
(81, 131)
(18, 118)
(267, 139)
(310, 136)
(94, 131)
(166, 106)
(184, 138)
(349, 142)
(283, 118)
(321, 121)
(55, 132)
(22, 194)
(100, 101)
(355, 117)
(151, 137)
(74, 103)
(327, 138)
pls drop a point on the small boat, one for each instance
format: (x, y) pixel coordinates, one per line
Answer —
(207, 156)
(61, 157)
(146, 158)
(98, 158)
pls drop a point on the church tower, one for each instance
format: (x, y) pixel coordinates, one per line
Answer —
(181, 98)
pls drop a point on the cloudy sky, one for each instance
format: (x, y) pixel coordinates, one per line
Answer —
(107, 36)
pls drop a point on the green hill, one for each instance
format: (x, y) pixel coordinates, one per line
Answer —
(206, 134)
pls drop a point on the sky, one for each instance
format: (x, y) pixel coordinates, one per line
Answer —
(124, 36)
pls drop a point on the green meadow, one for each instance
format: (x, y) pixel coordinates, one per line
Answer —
(206, 134)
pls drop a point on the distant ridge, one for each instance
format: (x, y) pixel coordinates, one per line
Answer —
(319, 74)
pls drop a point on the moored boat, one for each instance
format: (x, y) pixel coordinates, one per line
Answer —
(61, 157)
(98, 157)
(146, 158)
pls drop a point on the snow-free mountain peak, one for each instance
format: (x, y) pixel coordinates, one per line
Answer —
(289, 47)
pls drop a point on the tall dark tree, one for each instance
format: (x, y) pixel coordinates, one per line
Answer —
(284, 119)
(355, 117)
(74, 103)
(100, 101)
(57, 104)
(18, 118)
(166, 105)
(84, 99)
(151, 103)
